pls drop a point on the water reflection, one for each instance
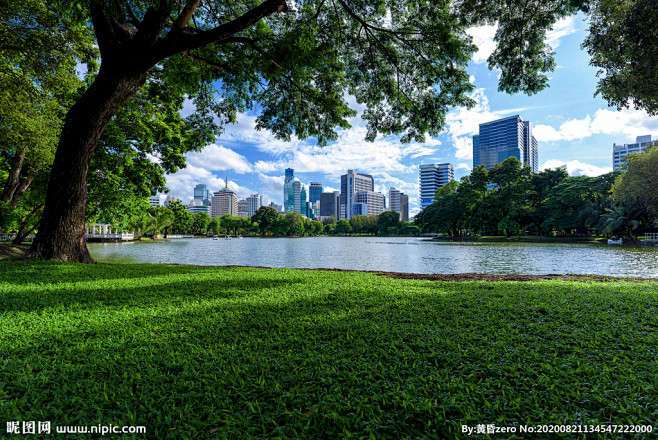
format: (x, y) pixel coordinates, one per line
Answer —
(392, 254)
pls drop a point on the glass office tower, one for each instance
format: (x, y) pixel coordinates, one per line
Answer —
(504, 138)
(289, 191)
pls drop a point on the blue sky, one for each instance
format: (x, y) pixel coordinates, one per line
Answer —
(571, 125)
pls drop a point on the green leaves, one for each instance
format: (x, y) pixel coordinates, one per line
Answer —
(622, 45)
(637, 188)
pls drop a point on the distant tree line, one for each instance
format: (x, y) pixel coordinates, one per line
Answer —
(176, 219)
(511, 200)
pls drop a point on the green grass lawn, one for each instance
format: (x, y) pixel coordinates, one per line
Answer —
(199, 352)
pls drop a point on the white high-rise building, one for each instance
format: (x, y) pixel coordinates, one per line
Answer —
(243, 208)
(350, 184)
(255, 202)
(154, 200)
(394, 199)
(619, 152)
(224, 201)
(299, 192)
(368, 203)
(432, 177)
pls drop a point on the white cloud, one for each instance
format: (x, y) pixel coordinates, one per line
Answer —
(627, 123)
(545, 133)
(431, 142)
(349, 151)
(464, 146)
(483, 38)
(462, 123)
(265, 167)
(188, 107)
(561, 28)
(387, 181)
(181, 184)
(272, 187)
(219, 158)
(576, 167)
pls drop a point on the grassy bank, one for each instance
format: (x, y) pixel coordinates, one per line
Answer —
(198, 352)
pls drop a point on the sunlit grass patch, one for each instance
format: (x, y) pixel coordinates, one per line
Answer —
(201, 352)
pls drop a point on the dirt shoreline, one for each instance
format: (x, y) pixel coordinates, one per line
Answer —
(477, 276)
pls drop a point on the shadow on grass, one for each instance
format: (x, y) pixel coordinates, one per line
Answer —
(42, 272)
(162, 287)
(277, 355)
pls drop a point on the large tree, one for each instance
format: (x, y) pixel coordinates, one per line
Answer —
(637, 188)
(38, 81)
(405, 61)
(622, 44)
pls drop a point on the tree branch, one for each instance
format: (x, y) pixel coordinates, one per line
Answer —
(252, 43)
(186, 14)
(176, 42)
(369, 26)
(201, 60)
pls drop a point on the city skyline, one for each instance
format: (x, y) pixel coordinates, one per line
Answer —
(572, 127)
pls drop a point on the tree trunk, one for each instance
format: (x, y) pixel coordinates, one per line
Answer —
(23, 185)
(61, 235)
(13, 178)
(22, 234)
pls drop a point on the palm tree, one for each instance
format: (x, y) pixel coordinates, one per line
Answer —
(161, 219)
(620, 220)
(592, 212)
(140, 224)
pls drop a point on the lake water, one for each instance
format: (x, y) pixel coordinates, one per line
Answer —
(415, 255)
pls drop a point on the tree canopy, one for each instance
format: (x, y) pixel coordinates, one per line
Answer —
(38, 81)
(295, 66)
(637, 188)
(622, 44)
(549, 202)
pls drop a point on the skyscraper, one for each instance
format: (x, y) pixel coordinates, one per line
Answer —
(619, 152)
(289, 191)
(350, 184)
(299, 197)
(330, 204)
(223, 202)
(255, 202)
(197, 205)
(504, 138)
(201, 192)
(394, 199)
(243, 208)
(303, 207)
(169, 200)
(314, 191)
(432, 177)
(368, 203)
(530, 148)
(404, 207)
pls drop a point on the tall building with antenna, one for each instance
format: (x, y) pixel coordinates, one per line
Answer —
(224, 201)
